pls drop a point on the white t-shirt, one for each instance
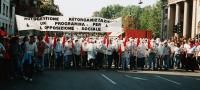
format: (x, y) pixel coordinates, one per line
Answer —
(77, 48)
(109, 50)
(31, 48)
(198, 50)
(68, 49)
(58, 47)
(142, 50)
(91, 51)
(177, 50)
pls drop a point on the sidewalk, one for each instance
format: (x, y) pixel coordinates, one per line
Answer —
(169, 72)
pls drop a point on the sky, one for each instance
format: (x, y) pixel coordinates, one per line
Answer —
(85, 8)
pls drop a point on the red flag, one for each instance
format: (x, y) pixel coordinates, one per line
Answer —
(2, 33)
(72, 40)
(120, 37)
(104, 40)
(126, 39)
(149, 44)
(120, 50)
(108, 33)
(46, 39)
(138, 42)
(54, 41)
(63, 40)
(108, 41)
(81, 50)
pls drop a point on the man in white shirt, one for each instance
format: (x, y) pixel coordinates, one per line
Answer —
(160, 55)
(31, 49)
(177, 58)
(58, 53)
(67, 54)
(141, 55)
(91, 55)
(166, 55)
(191, 61)
(77, 52)
(198, 53)
(109, 52)
(152, 56)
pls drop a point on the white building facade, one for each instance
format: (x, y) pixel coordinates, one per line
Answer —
(186, 12)
(7, 16)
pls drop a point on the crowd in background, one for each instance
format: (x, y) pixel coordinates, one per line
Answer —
(22, 56)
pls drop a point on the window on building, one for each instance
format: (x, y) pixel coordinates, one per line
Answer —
(3, 25)
(7, 11)
(10, 26)
(11, 10)
(6, 27)
(4, 6)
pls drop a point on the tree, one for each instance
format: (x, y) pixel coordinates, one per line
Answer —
(135, 17)
(49, 10)
(109, 12)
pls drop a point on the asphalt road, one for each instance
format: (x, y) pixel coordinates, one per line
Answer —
(104, 80)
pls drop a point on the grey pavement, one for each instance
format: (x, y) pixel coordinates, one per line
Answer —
(107, 80)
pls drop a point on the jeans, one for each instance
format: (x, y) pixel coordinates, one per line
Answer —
(152, 60)
(110, 60)
(40, 63)
(58, 59)
(166, 61)
(27, 58)
(125, 62)
(67, 58)
(46, 60)
(177, 60)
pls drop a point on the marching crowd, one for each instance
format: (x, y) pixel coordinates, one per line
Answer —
(24, 56)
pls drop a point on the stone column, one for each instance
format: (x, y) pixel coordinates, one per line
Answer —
(170, 21)
(194, 18)
(185, 22)
(177, 20)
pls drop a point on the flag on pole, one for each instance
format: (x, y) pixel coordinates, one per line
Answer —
(72, 37)
(126, 40)
(46, 38)
(120, 37)
(149, 43)
(138, 41)
(63, 40)
(54, 41)
(120, 50)
(108, 42)
(2, 33)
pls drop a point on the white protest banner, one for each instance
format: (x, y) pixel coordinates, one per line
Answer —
(69, 24)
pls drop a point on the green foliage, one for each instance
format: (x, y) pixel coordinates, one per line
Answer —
(49, 10)
(135, 17)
